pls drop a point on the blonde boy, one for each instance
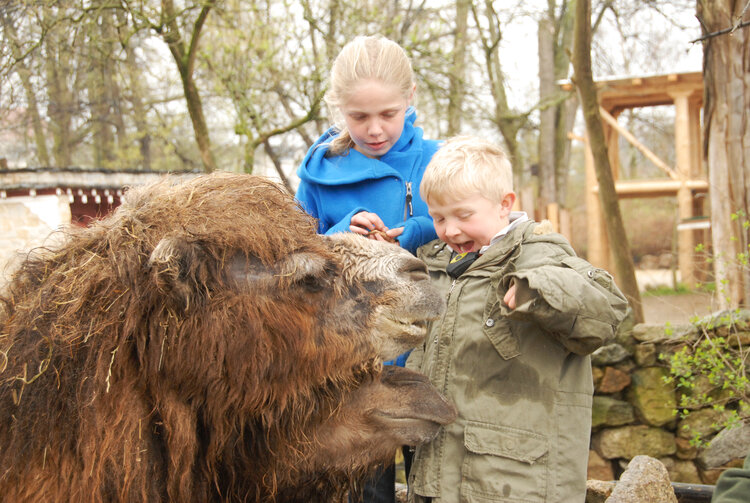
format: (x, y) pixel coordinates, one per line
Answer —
(523, 313)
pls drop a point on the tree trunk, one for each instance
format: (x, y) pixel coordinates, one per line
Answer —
(33, 107)
(457, 73)
(506, 121)
(547, 113)
(57, 64)
(584, 81)
(726, 124)
(185, 61)
(134, 81)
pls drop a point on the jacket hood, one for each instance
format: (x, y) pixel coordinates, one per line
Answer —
(353, 166)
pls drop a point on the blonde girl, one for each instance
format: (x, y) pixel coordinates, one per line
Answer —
(363, 174)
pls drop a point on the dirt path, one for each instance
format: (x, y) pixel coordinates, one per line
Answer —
(676, 309)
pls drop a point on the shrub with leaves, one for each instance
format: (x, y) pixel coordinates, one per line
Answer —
(711, 371)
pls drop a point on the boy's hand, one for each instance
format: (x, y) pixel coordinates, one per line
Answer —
(510, 296)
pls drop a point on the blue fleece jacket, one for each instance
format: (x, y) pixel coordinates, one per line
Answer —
(334, 188)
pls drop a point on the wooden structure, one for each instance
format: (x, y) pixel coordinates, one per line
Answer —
(92, 193)
(685, 181)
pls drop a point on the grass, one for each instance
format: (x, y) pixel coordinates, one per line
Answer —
(681, 289)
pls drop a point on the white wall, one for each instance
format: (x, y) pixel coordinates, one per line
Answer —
(26, 222)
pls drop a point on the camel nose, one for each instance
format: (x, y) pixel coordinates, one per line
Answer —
(414, 269)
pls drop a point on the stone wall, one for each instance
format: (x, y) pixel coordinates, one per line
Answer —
(633, 411)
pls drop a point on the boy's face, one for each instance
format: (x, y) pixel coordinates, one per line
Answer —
(466, 224)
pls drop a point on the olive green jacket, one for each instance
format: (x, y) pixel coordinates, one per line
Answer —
(733, 485)
(521, 379)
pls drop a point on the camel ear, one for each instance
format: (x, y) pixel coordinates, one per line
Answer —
(177, 269)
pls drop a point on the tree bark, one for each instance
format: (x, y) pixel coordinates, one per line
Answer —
(457, 73)
(584, 81)
(726, 123)
(506, 121)
(57, 65)
(185, 60)
(547, 113)
(24, 73)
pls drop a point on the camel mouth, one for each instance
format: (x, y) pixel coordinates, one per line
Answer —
(414, 328)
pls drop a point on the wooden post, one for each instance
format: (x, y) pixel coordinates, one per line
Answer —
(683, 153)
(597, 243)
(553, 215)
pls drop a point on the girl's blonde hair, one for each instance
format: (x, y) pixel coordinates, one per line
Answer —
(467, 165)
(364, 58)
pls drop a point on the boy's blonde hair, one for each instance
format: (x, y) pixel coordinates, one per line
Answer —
(364, 58)
(466, 165)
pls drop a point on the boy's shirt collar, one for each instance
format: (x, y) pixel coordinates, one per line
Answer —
(515, 218)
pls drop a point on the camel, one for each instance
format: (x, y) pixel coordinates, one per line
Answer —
(203, 343)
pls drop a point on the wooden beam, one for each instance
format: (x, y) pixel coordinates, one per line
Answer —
(641, 147)
(655, 188)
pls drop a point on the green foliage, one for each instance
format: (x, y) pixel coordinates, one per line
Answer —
(712, 372)
(661, 290)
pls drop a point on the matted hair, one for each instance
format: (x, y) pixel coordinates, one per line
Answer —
(466, 165)
(364, 58)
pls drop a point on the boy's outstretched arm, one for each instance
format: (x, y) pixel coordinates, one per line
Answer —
(577, 303)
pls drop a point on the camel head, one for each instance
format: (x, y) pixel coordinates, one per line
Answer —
(406, 299)
(205, 343)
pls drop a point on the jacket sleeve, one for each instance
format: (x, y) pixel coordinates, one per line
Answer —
(733, 485)
(343, 224)
(307, 197)
(577, 303)
(417, 231)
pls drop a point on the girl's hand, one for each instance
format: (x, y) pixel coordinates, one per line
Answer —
(510, 296)
(364, 223)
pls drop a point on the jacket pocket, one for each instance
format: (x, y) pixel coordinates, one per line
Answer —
(503, 464)
(497, 328)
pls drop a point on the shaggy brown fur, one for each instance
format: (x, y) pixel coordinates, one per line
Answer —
(203, 344)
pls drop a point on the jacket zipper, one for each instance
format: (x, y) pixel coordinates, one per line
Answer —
(408, 209)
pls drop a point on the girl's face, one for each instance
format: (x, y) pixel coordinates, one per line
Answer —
(374, 116)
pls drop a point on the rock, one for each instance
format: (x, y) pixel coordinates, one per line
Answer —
(681, 471)
(608, 411)
(711, 476)
(401, 493)
(666, 260)
(624, 334)
(729, 444)
(648, 262)
(655, 333)
(596, 374)
(645, 354)
(613, 380)
(685, 450)
(609, 354)
(645, 481)
(654, 401)
(704, 422)
(630, 441)
(597, 491)
(599, 468)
